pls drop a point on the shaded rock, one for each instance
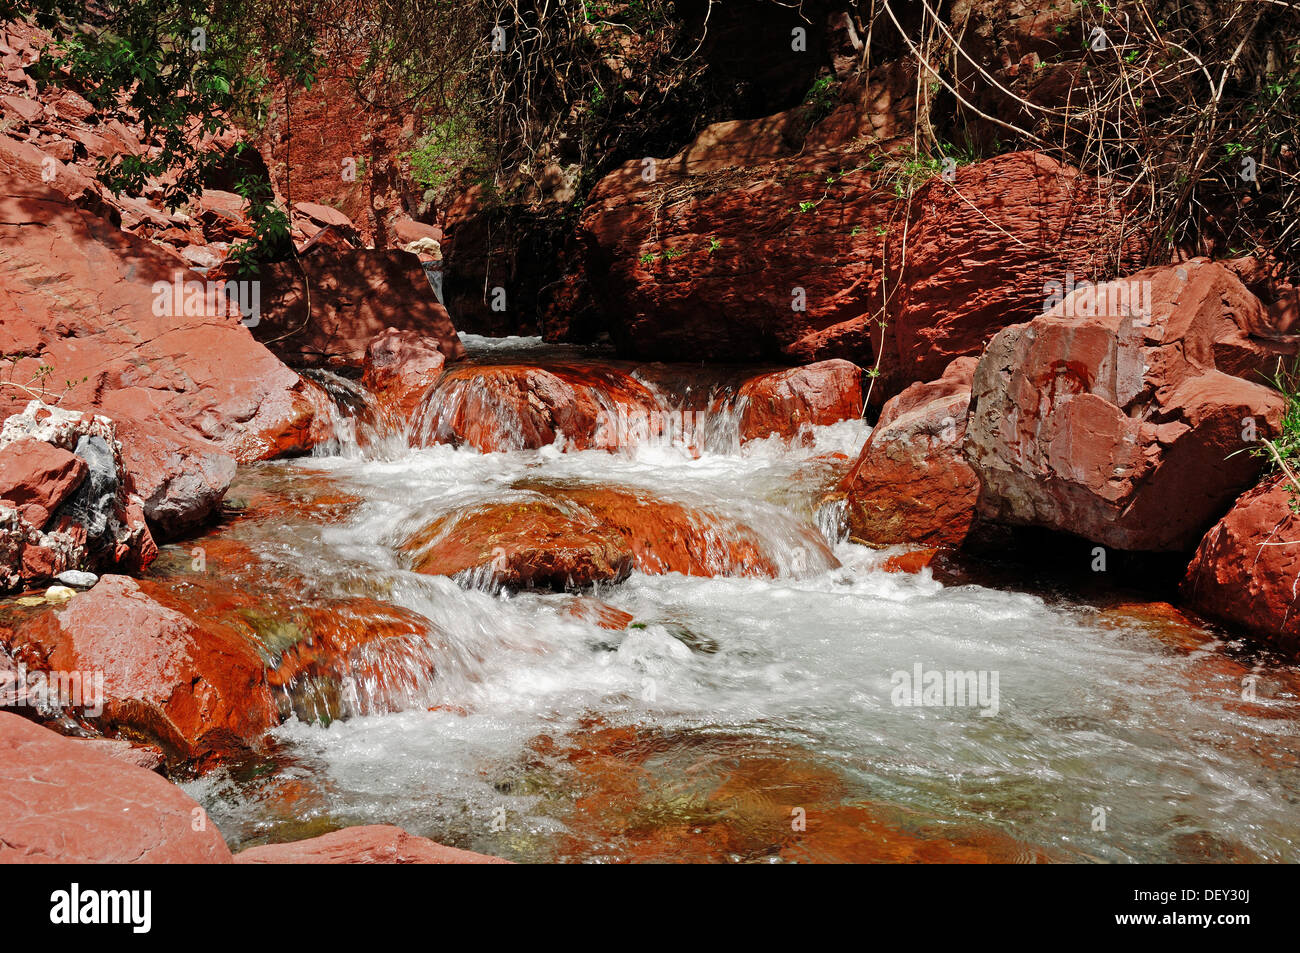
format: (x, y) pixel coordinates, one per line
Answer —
(1109, 417)
(911, 483)
(355, 294)
(1244, 571)
(63, 801)
(786, 402)
(653, 257)
(370, 844)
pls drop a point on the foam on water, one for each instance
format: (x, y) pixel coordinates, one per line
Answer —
(1091, 713)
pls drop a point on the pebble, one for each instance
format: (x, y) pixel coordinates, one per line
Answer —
(77, 579)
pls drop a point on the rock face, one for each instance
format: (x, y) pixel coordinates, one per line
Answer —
(911, 483)
(354, 295)
(194, 691)
(64, 499)
(372, 844)
(522, 407)
(1112, 416)
(63, 802)
(1245, 569)
(656, 256)
(785, 402)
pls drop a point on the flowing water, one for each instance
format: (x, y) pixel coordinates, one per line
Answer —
(736, 718)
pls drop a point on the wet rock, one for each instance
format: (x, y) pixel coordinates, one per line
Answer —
(194, 690)
(371, 844)
(1109, 417)
(521, 407)
(355, 294)
(531, 543)
(1244, 571)
(63, 801)
(571, 536)
(784, 403)
(911, 483)
(399, 368)
(598, 613)
(74, 577)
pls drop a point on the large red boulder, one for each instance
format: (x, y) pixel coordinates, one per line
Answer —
(1245, 569)
(62, 801)
(523, 407)
(783, 403)
(1111, 417)
(531, 543)
(371, 844)
(325, 307)
(195, 690)
(911, 483)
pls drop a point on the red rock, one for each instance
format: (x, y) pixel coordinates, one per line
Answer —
(61, 801)
(38, 478)
(371, 844)
(598, 613)
(533, 543)
(523, 407)
(785, 402)
(406, 231)
(911, 483)
(1093, 421)
(914, 561)
(312, 219)
(194, 690)
(180, 482)
(1244, 572)
(79, 296)
(355, 295)
(399, 368)
(28, 110)
(656, 257)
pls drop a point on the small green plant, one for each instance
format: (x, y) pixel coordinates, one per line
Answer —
(1283, 451)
